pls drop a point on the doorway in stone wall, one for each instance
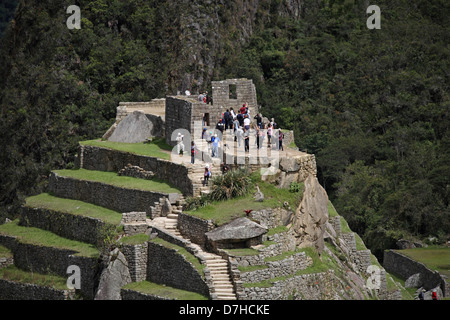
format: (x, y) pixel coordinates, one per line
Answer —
(205, 119)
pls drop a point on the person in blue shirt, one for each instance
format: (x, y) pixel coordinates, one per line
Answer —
(215, 151)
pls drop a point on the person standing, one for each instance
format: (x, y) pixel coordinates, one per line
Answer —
(215, 152)
(434, 295)
(180, 144)
(258, 119)
(239, 135)
(280, 140)
(226, 117)
(269, 136)
(246, 140)
(220, 126)
(247, 122)
(193, 152)
(258, 133)
(206, 175)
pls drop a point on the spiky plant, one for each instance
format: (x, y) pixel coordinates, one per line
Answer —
(233, 184)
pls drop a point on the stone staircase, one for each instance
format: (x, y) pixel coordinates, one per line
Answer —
(220, 282)
(196, 172)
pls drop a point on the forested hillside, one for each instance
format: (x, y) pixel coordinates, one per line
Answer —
(372, 105)
(7, 8)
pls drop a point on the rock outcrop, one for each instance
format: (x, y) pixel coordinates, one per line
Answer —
(237, 231)
(113, 277)
(309, 221)
(135, 128)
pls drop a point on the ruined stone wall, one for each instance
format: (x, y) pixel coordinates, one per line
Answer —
(194, 228)
(282, 268)
(137, 258)
(178, 116)
(135, 295)
(40, 259)
(167, 266)
(104, 195)
(314, 286)
(70, 226)
(399, 264)
(10, 290)
(103, 159)
(245, 93)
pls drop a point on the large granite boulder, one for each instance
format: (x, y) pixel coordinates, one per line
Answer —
(309, 221)
(135, 128)
(238, 231)
(113, 277)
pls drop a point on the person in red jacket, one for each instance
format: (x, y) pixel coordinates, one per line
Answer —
(434, 295)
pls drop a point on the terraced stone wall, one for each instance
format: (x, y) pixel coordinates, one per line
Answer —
(40, 259)
(397, 263)
(167, 266)
(104, 195)
(103, 159)
(194, 228)
(11, 290)
(75, 227)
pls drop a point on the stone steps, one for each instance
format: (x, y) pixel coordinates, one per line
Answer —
(222, 286)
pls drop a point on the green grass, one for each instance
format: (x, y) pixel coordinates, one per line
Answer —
(279, 229)
(35, 236)
(159, 290)
(331, 210)
(221, 212)
(12, 273)
(157, 148)
(112, 178)
(135, 239)
(242, 252)
(434, 257)
(5, 252)
(75, 207)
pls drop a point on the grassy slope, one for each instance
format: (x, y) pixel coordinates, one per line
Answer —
(157, 148)
(147, 287)
(222, 212)
(47, 201)
(120, 181)
(45, 238)
(12, 273)
(434, 257)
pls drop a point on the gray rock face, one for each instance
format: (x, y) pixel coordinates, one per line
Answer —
(309, 221)
(135, 128)
(414, 281)
(115, 276)
(166, 208)
(238, 229)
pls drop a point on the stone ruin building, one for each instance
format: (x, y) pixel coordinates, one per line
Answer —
(165, 116)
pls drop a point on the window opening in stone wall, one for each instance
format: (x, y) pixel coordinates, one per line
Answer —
(233, 91)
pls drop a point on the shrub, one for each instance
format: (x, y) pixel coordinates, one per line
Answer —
(233, 184)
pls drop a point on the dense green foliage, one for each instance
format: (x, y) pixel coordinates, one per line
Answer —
(371, 104)
(7, 8)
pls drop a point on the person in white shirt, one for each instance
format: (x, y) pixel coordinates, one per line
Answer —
(180, 144)
(247, 122)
